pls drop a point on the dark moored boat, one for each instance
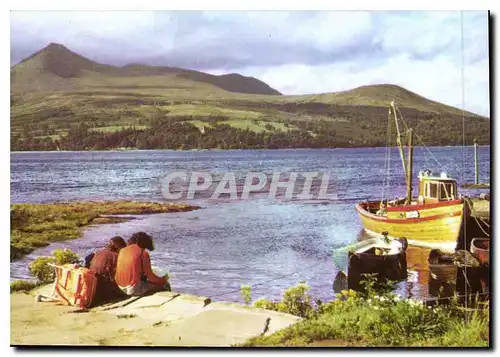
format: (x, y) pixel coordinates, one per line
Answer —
(386, 258)
(480, 248)
(442, 267)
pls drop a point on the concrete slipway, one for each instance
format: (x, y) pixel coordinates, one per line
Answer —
(162, 319)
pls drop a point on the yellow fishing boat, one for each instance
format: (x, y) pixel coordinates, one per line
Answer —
(432, 219)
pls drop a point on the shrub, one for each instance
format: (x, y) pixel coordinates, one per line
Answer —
(246, 291)
(65, 256)
(295, 301)
(22, 285)
(19, 216)
(266, 304)
(370, 285)
(40, 267)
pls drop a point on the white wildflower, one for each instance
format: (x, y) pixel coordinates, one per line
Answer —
(382, 298)
(375, 307)
(396, 298)
(369, 301)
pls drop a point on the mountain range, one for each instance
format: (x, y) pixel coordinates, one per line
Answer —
(57, 65)
(55, 90)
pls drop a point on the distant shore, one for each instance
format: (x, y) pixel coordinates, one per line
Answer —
(246, 149)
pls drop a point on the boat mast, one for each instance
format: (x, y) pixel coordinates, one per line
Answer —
(398, 139)
(409, 180)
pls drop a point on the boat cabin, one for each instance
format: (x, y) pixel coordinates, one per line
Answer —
(433, 189)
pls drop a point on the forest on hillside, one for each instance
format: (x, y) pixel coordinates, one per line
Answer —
(348, 126)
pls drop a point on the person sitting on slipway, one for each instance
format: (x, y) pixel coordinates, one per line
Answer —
(103, 263)
(134, 275)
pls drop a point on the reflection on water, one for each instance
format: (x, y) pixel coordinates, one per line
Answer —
(269, 244)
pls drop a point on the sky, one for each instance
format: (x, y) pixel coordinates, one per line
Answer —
(442, 55)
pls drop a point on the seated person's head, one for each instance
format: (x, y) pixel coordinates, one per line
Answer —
(116, 243)
(132, 240)
(144, 240)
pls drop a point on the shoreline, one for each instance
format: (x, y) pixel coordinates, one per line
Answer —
(247, 149)
(36, 225)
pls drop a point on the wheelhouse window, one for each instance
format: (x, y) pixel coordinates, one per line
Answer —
(431, 190)
(447, 191)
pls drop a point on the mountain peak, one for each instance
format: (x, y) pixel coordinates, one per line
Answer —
(53, 45)
(56, 59)
(58, 49)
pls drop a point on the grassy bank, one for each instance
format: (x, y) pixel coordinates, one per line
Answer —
(22, 286)
(38, 225)
(380, 321)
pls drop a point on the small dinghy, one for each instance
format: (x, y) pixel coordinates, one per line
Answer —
(442, 267)
(480, 248)
(384, 257)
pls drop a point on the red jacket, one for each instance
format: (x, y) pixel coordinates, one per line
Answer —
(128, 267)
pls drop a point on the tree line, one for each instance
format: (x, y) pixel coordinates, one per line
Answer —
(178, 133)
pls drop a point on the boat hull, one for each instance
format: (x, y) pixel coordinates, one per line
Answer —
(428, 225)
(383, 267)
(480, 248)
(442, 267)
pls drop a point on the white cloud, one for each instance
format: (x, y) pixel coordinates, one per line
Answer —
(85, 30)
(295, 52)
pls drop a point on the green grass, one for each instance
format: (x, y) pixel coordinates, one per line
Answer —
(53, 137)
(38, 225)
(200, 124)
(375, 321)
(471, 333)
(251, 125)
(113, 128)
(207, 110)
(362, 326)
(257, 126)
(22, 286)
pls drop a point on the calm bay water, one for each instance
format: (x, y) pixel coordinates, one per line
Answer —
(269, 244)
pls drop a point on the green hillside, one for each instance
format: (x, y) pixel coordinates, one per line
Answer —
(61, 100)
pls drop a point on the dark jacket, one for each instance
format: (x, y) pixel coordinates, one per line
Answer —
(104, 264)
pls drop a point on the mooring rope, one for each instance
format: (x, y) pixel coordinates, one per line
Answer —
(441, 166)
(387, 159)
(463, 130)
(471, 208)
